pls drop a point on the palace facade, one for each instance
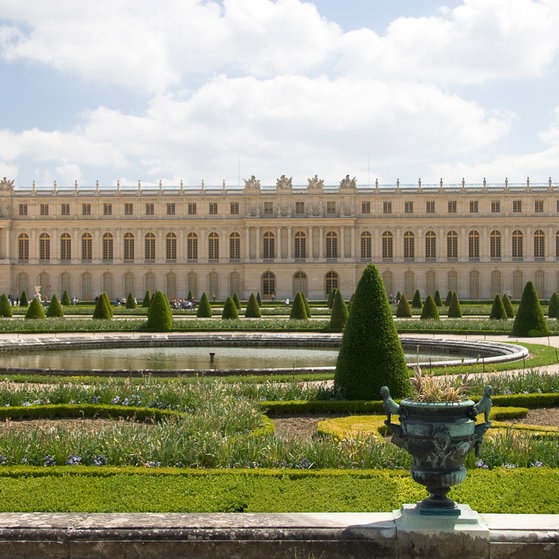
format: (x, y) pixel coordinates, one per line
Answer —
(477, 240)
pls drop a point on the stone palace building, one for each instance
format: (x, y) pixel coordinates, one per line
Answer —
(477, 240)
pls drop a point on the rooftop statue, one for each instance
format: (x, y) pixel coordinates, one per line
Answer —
(315, 183)
(284, 183)
(5, 184)
(348, 183)
(252, 184)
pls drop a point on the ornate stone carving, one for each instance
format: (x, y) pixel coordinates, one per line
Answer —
(315, 183)
(284, 183)
(252, 184)
(348, 183)
(5, 184)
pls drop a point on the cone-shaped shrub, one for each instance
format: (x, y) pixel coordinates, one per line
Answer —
(298, 311)
(339, 314)
(204, 310)
(507, 303)
(371, 355)
(55, 310)
(498, 311)
(403, 310)
(237, 301)
(35, 309)
(437, 299)
(147, 300)
(307, 306)
(23, 300)
(398, 296)
(103, 309)
(331, 296)
(189, 297)
(416, 302)
(230, 310)
(553, 307)
(253, 309)
(130, 301)
(65, 299)
(5, 306)
(448, 298)
(160, 317)
(530, 320)
(429, 310)
(454, 308)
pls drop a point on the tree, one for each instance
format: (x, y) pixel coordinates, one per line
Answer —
(371, 354)
(189, 297)
(204, 310)
(35, 309)
(454, 308)
(130, 301)
(237, 301)
(230, 310)
(65, 299)
(530, 320)
(448, 298)
(298, 311)
(437, 299)
(507, 303)
(147, 299)
(259, 299)
(331, 296)
(339, 313)
(160, 317)
(429, 310)
(55, 310)
(103, 309)
(416, 302)
(307, 306)
(403, 310)
(498, 311)
(252, 309)
(5, 306)
(23, 300)
(553, 307)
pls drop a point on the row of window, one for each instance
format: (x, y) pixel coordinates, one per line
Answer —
(300, 246)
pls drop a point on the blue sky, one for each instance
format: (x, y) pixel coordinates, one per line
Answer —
(218, 91)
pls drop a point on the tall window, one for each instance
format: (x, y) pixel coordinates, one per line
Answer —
(268, 284)
(495, 206)
(331, 207)
(452, 206)
(65, 209)
(107, 209)
(538, 206)
(366, 207)
(86, 209)
(150, 208)
(234, 247)
(517, 206)
(23, 209)
(408, 207)
(234, 208)
(331, 244)
(171, 247)
(128, 209)
(44, 209)
(387, 245)
(65, 247)
(430, 245)
(44, 246)
(213, 246)
(474, 206)
(366, 244)
(495, 245)
(539, 245)
(213, 208)
(268, 245)
(23, 247)
(331, 281)
(300, 245)
(108, 243)
(192, 247)
(473, 245)
(128, 247)
(268, 208)
(300, 283)
(171, 208)
(299, 208)
(452, 245)
(87, 247)
(387, 207)
(517, 245)
(149, 247)
(192, 208)
(430, 207)
(409, 245)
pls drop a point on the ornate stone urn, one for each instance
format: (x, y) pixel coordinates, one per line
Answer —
(438, 435)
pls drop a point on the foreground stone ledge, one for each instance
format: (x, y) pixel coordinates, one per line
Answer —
(396, 535)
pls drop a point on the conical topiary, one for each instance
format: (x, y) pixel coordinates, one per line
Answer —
(230, 310)
(429, 310)
(252, 309)
(160, 317)
(339, 314)
(307, 306)
(147, 299)
(553, 306)
(530, 320)
(189, 297)
(416, 302)
(507, 303)
(331, 296)
(204, 310)
(130, 301)
(403, 310)
(55, 310)
(498, 311)
(35, 309)
(371, 354)
(103, 309)
(65, 299)
(5, 306)
(448, 298)
(237, 301)
(454, 308)
(437, 299)
(23, 300)
(259, 299)
(298, 311)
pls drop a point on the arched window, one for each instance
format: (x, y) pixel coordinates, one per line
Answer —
(409, 245)
(107, 284)
(192, 247)
(430, 282)
(149, 282)
(473, 284)
(539, 245)
(234, 248)
(65, 247)
(473, 245)
(452, 245)
(517, 284)
(87, 247)
(430, 245)
(388, 280)
(86, 286)
(65, 283)
(539, 283)
(268, 284)
(108, 243)
(409, 284)
(496, 283)
(269, 246)
(452, 280)
(331, 245)
(192, 283)
(171, 285)
(23, 247)
(300, 246)
(171, 247)
(149, 242)
(44, 247)
(331, 281)
(128, 284)
(387, 245)
(129, 247)
(234, 283)
(213, 246)
(517, 245)
(366, 246)
(213, 282)
(300, 283)
(495, 246)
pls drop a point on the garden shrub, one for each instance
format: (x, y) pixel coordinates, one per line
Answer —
(507, 303)
(298, 311)
(553, 306)
(103, 309)
(259, 299)
(190, 296)
(339, 314)
(160, 317)
(530, 320)
(230, 310)
(454, 308)
(204, 310)
(437, 299)
(403, 310)
(416, 302)
(55, 310)
(237, 301)
(23, 300)
(130, 301)
(147, 299)
(498, 311)
(331, 296)
(65, 299)
(371, 354)
(35, 309)
(307, 306)
(5, 306)
(448, 298)
(429, 310)
(252, 309)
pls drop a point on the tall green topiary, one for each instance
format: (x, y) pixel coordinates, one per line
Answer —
(530, 320)
(448, 298)
(230, 310)
(339, 314)
(498, 311)
(437, 299)
(429, 310)
(371, 355)
(103, 309)
(416, 302)
(147, 299)
(237, 301)
(553, 307)
(454, 308)
(298, 311)
(403, 310)
(130, 301)
(507, 303)
(331, 296)
(23, 300)
(307, 306)
(259, 299)
(5, 306)
(55, 310)
(160, 317)
(65, 299)
(35, 310)
(204, 310)
(190, 296)
(252, 309)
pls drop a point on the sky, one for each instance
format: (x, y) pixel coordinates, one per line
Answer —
(221, 90)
